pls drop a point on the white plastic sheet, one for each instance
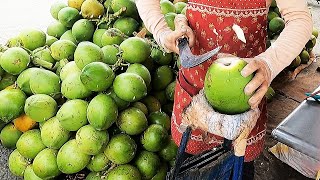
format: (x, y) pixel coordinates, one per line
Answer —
(16, 15)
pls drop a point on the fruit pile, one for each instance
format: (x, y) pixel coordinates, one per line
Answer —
(93, 94)
(276, 25)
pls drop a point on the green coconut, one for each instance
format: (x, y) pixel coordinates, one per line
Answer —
(70, 159)
(224, 86)
(102, 112)
(14, 60)
(63, 49)
(40, 107)
(86, 53)
(97, 76)
(45, 82)
(32, 38)
(45, 165)
(53, 135)
(12, 103)
(73, 88)
(30, 144)
(91, 141)
(73, 114)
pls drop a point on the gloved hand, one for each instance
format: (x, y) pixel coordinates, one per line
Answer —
(168, 38)
(199, 114)
(259, 83)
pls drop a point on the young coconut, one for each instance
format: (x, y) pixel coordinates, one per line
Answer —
(63, 49)
(121, 149)
(12, 103)
(122, 104)
(68, 36)
(69, 69)
(91, 141)
(102, 112)
(110, 53)
(53, 135)
(99, 162)
(97, 35)
(97, 76)
(56, 29)
(154, 138)
(29, 174)
(127, 25)
(7, 80)
(70, 159)
(224, 86)
(45, 82)
(112, 36)
(73, 88)
(130, 6)
(92, 9)
(135, 89)
(72, 115)
(17, 163)
(40, 107)
(87, 52)
(83, 30)
(45, 165)
(30, 144)
(9, 63)
(126, 171)
(23, 80)
(135, 50)
(68, 16)
(132, 121)
(55, 8)
(32, 38)
(9, 136)
(148, 164)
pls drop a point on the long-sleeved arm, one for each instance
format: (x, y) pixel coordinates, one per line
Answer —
(292, 39)
(150, 14)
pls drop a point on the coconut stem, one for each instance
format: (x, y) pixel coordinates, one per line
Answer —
(108, 18)
(118, 64)
(3, 48)
(39, 49)
(113, 165)
(42, 63)
(116, 32)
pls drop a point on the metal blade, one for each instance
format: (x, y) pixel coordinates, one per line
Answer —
(189, 60)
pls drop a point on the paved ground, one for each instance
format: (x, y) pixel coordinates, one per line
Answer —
(289, 94)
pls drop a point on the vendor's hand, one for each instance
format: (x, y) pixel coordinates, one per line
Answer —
(200, 115)
(259, 84)
(169, 39)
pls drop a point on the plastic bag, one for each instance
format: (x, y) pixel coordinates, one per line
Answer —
(304, 164)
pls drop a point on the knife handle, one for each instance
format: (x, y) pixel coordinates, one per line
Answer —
(182, 42)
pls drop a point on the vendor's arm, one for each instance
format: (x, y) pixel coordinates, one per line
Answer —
(283, 51)
(292, 39)
(150, 13)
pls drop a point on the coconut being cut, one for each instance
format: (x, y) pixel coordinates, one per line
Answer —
(224, 86)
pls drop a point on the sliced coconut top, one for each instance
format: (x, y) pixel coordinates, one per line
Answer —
(239, 32)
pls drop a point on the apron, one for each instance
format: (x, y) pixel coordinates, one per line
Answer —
(212, 22)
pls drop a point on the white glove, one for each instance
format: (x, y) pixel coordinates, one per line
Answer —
(200, 115)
